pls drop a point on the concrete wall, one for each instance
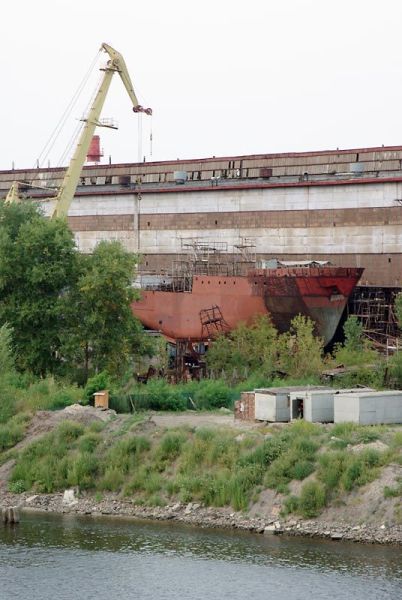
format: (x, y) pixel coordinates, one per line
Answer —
(271, 406)
(368, 408)
(357, 224)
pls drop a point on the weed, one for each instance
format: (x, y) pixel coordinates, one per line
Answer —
(83, 470)
(393, 492)
(312, 499)
(171, 445)
(89, 442)
(97, 426)
(291, 505)
(17, 487)
(397, 440)
(156, 500)
(112, 480)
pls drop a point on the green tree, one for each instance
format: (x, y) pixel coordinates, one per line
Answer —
(103, 333)
(246, 348)
(353, 330)
(37, 263)
(398, 309)
(356, 350)
(301, 352)
(7, 359)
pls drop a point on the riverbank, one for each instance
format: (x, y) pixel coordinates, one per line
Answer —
(338, 482)
(209, 517)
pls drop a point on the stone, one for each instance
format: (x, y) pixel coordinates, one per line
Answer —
(269, 529)
(31, 499)
(69, 498)
(336, 536)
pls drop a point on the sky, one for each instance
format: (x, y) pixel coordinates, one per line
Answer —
(223, 77)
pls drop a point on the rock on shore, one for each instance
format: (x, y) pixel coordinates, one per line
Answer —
(200, 516)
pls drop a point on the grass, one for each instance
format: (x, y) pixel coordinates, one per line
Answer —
(13, 431)
(212, 466)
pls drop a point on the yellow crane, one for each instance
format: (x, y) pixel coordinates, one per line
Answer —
(70, 181)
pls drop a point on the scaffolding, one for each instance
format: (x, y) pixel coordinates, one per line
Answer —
(374, 307)
(212, 322)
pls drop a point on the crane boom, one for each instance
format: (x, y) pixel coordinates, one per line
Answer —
(71, 178)
(68, 187)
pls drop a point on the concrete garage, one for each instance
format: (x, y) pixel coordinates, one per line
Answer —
(316, 406)
(273, 404)
(368, 408)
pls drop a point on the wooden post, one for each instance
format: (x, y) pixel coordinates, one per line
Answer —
(10, 515)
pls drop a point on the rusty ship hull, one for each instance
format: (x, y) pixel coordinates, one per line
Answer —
(320, 293)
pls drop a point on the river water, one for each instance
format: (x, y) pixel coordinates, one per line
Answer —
(70, 557)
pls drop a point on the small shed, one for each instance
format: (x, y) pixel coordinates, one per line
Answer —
(316, 406)
(368, 408)
(273, 404)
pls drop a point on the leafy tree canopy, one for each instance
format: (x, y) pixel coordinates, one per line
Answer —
(69, 313)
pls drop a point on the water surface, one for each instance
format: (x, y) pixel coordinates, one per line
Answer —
(70, 557)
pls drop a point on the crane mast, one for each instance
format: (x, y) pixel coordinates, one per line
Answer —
(65, 195)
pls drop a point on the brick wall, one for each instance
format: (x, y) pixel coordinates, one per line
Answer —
(245, 407)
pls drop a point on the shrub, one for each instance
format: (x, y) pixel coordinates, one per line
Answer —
(83, 470)
(266, 453)
(213, 394)
(291, 504)
(312, 499)
(17, 487)
(160, 395)
(98, 382)
(331, 467)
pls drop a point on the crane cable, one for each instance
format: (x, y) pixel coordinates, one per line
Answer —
(66, 114)
(78, 127)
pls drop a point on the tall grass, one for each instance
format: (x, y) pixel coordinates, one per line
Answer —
(213, 466)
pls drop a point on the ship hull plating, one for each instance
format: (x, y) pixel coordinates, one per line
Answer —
(319, 293)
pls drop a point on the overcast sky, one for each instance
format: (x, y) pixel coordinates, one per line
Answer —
(224, 77)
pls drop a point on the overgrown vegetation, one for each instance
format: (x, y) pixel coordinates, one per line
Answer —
(260, 350)
(212, 466)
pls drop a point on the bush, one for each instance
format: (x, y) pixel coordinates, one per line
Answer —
(17, 487)
(312, 499)
(213, 394)
(159, 395)
(98, 382)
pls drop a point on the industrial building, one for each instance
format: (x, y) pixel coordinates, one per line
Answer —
(344, 206)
